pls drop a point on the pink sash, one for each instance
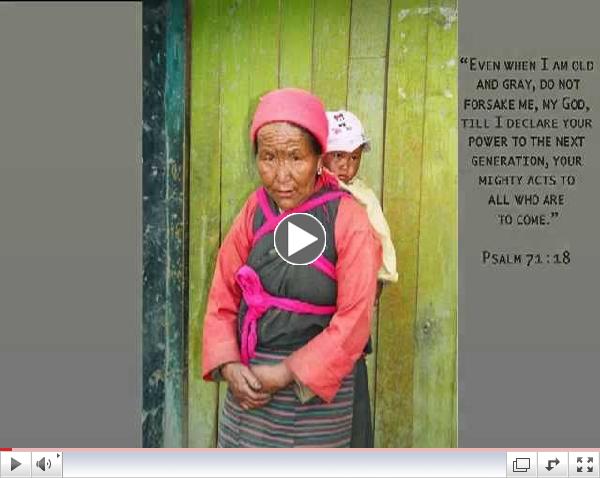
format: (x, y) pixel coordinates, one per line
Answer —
(256, 297)
(259, 301)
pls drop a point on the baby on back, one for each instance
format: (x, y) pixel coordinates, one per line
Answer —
(345, 145)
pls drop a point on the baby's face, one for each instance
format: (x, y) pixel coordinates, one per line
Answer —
(344, 165)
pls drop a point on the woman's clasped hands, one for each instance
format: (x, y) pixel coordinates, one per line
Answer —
(254, 386)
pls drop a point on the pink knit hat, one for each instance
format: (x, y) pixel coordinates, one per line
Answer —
(295, 106)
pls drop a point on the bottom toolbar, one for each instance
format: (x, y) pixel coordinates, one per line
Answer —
(379, 462)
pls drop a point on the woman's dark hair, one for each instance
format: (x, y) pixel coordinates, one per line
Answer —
(315, 146)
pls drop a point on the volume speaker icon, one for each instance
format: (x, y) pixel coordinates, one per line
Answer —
(43, 464)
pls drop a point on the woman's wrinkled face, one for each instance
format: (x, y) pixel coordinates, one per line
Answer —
(344, 165)
(286, 163)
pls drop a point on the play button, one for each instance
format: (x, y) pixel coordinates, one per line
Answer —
(299, 239)
(15, 464)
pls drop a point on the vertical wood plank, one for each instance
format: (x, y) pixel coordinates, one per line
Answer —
(296, 43)
(235, 116)
(435, 338)
(366, 100)
(401, 194)
(155, 230)
(331, 52)
(369, 32)
(204, 224)
(237, 171)
(265, 25)
(366, 82)
(249, 68)
(174, 426)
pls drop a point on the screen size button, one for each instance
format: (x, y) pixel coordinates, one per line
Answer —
(583, 463)
(521, 464)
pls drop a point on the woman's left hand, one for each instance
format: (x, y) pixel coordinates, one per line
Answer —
(273, 377)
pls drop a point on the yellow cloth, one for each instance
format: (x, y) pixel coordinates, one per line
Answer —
(366, 196)
(303, 393)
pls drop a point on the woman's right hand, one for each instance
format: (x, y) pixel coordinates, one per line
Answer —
(244, 385)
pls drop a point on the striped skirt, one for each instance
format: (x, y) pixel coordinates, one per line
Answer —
(285, 421)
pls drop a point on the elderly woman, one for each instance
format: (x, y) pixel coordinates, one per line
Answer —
(288, 338)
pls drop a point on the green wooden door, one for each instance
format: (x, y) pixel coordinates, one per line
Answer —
(393, 63)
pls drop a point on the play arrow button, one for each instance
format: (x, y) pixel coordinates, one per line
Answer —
(300, 239)
(14, 464)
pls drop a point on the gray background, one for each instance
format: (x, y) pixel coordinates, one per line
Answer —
(70, 224)
(529, 339)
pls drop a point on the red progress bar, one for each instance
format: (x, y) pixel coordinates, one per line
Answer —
(5, 449)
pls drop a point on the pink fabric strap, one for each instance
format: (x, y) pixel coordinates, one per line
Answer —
(259, 301)
(271, 220)
(325, 266)
(263, 201)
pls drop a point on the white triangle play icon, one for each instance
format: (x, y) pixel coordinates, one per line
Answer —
(298, 239)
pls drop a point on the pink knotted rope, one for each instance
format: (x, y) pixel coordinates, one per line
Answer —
(259, 301)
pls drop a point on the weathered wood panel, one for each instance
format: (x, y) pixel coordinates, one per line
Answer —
(366, 100)
(369, 31)
(263, 76)
(331, 43)
(236, 168)
(295, 53)
(401, 201)
(235, 116)
(176, 294)
(435, 337)
(205, 208)
(155, 225)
